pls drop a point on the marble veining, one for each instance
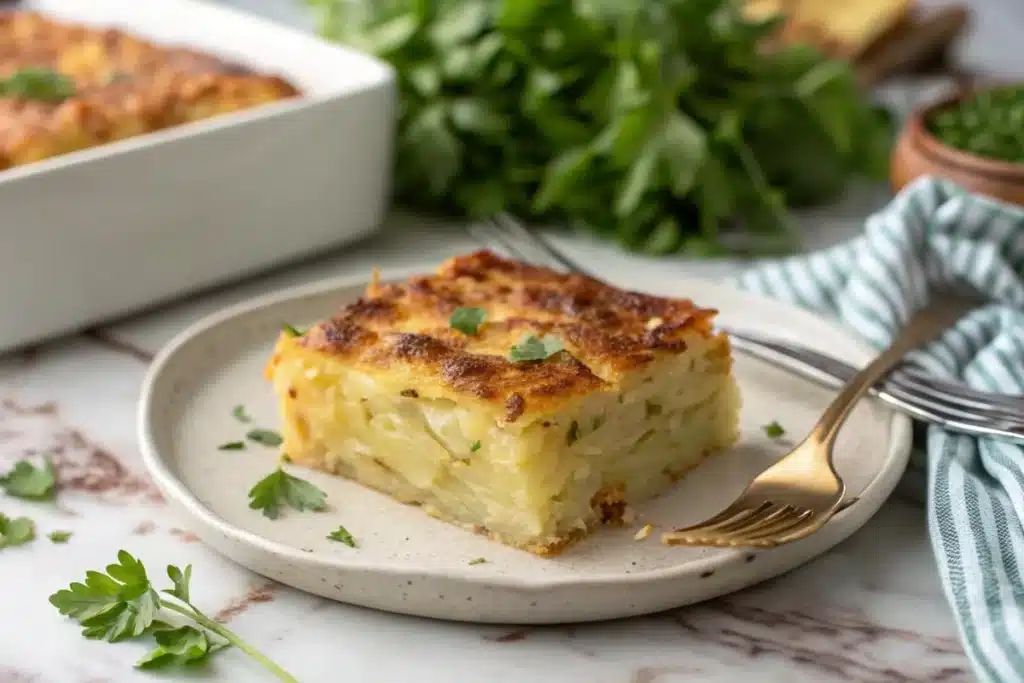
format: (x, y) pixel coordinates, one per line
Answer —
(870, 611)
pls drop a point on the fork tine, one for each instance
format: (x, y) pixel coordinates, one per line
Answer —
(766, 510)
(524, 233)
(795, 518)
(730, 514)
(492, 236)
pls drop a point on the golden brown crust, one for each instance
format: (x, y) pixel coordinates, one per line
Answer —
(124, 86)
(606, 333)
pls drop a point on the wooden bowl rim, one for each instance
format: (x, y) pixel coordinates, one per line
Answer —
(942, 154)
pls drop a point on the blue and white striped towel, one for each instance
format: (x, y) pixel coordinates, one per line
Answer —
(934, 235)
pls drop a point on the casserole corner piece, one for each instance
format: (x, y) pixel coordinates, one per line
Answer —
(520, 403)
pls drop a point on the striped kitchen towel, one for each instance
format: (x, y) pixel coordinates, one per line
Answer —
(933, 236)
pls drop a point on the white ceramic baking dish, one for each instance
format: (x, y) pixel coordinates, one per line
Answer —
(96, 234)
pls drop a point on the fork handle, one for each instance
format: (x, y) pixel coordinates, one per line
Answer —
(922, 327)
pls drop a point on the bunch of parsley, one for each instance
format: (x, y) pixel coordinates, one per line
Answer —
(655, 123)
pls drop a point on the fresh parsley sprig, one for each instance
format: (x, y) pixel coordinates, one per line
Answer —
(279, 489)
(122, 603)
(35, 83)
(467, 320)
(532, 347)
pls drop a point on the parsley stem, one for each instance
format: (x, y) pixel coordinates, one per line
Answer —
(208, 623)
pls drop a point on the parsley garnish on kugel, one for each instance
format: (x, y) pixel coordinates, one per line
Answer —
(478, 560)
(240, 414)
(34, 83)
(30, 482)
(531, 347)
(774, 430)
(292, 331)
(342, 535)
(267, 437)
(123, 604)
(280, 488)
(17, 531)
(59, 536)
(474, 447)
(232, 446)
(467, 320)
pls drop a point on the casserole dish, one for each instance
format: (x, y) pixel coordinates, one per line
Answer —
(99, 233)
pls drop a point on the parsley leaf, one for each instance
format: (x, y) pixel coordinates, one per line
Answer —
(30, 482)
(123, 604)
(35, 83)
(59, 536)
(232, 446)
(280, 488)
(478, 560)
(17, 531)
(342, 535)
(113, 606)
(475, 447)
(181, 580)
(530, 347)
(774, 430)
(267, 437)
(184, 645)
(467, 320)
(240, 414)
(292, 331)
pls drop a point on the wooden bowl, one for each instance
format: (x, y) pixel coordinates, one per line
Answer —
(919, 153)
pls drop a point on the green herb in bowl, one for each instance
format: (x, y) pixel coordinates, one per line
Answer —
(988, 123)
(652, 123)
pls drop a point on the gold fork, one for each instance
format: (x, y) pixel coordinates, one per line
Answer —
(796, 496)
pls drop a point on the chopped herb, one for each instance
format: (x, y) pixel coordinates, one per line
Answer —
(573, 435)
(530, 347)
(59, 536)
(17, 531)
(30, 482)
(285, 459)
(291, 331)
(267, 437)
(467, 320)
(478, 560)
(774, 430)
(651, 409)
(122, 603)
(240, 414)
(34, 83)
(280, 488)
(475, 447)
(342, 535)
(232, 446)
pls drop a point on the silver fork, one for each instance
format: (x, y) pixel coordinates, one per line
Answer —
(952, 405)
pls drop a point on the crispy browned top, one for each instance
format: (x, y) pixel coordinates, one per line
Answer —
(606, 332)
(124, 86)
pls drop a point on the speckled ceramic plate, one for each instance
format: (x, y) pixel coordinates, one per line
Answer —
(407, 562)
